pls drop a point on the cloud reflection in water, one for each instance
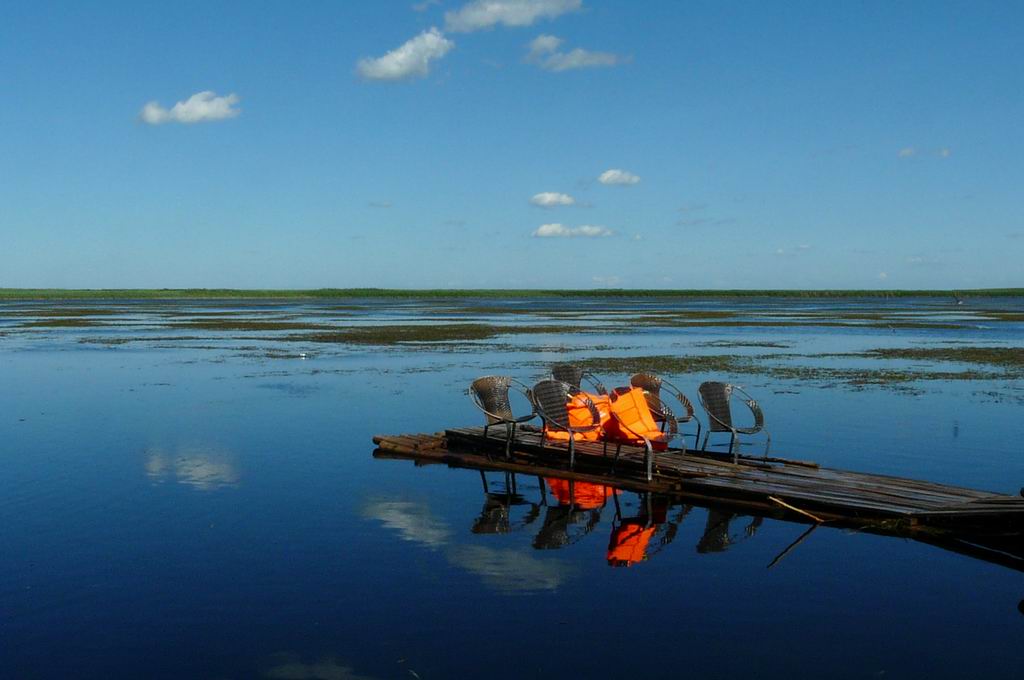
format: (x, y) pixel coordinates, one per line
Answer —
(200, 468)
(506, 570)
(327, 668)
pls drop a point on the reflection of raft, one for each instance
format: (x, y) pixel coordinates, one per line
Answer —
(792, 489)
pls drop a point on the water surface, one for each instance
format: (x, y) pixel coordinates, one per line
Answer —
(187, 501)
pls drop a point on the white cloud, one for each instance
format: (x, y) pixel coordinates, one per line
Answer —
(883, 276)
(412, 58)
(615, 176)
(607, 280)
(201, 107)
(543, 51)
(922, 261)
(425, 5)
(480, 14)
(911, 152)
(549, 199)
(542, 44)
(692, 207)
(556, 230)
(802, 248)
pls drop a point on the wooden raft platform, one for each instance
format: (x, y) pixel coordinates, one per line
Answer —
(797, 489)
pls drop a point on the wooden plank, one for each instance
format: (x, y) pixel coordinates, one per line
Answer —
(827, 493)
(909, 493)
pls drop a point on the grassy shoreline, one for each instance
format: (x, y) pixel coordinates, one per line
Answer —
(29, 294)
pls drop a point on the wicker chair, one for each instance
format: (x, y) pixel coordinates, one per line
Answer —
(657, 386)
(716, 398)
(551, 402)
(491, 395)
(575, 375)
(658, 410)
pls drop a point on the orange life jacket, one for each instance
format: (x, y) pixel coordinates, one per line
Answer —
(628, 544)
(580, 416)
(585, 495)
(632, 411)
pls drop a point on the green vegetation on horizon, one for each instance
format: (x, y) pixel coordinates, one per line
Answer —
(434, 293)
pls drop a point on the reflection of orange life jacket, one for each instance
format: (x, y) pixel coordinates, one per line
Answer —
(580, 416)
(628, 544)
(585, 494)
(632, 410)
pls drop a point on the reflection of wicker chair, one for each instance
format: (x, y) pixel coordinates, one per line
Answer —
(715, 397)
(491, 395)
(656, 386)
(551, 402)
(658, 411)
(496, 516)
(564, 525)
(575, 375)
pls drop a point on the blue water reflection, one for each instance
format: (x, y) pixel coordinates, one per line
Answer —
(209, 507)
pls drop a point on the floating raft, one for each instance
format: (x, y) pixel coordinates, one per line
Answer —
(797, 490)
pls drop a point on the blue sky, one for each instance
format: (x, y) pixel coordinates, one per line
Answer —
(399, 144)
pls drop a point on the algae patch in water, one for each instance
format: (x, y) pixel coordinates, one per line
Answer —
(668, 365)
(60, 323)
(1006, 357)
(740, 343)
(218, 324)
(767, 365)
(60, 312)
(390, 335)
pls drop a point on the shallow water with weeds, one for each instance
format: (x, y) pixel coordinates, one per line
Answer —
(187, 490)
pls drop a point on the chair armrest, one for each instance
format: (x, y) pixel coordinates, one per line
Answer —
(755, 410)
(595, 383)
(681, 398)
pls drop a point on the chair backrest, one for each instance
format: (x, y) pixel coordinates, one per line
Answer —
(647, 382)
(567, 373)
(551, 399)
(491, 394)
(714, 396)
(653, 384)
(575, 375)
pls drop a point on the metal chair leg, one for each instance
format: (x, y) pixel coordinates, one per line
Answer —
(650, 459)
(511, 434)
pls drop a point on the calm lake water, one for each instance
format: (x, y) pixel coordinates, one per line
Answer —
(180, 500)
